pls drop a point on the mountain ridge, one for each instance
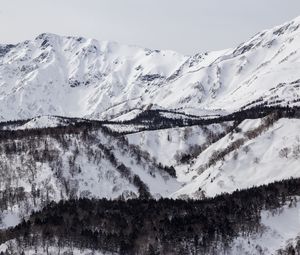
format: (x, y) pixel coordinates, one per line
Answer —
(78, 77)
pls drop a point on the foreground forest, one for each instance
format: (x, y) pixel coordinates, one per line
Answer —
(151, 227)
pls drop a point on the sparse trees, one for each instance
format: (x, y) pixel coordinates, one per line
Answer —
(296, 151)
(284, 152)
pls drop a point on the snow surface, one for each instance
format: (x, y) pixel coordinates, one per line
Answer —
(165, 144)
(42, 122)
(51, 250)
(9, 218)
(281, 227)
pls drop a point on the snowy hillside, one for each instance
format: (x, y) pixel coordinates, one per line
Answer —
(77, 77)
(59, 164)
(281, 229)
(169, 146)
(193, 161)
(257, 157)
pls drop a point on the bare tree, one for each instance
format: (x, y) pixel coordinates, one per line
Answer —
(246, 149)
(235, 155)
(256, 160)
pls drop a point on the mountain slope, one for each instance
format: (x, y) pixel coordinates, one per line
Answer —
(252, 157)
(77, 77)
(38, 166)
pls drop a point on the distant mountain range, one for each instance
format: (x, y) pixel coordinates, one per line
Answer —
(78, 77)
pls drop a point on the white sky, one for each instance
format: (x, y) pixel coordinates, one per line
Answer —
(187, 26)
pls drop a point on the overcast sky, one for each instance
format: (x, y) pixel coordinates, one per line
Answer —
(187, 26)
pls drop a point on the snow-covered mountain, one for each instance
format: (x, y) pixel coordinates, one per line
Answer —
(87, 119)
(77, 77)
